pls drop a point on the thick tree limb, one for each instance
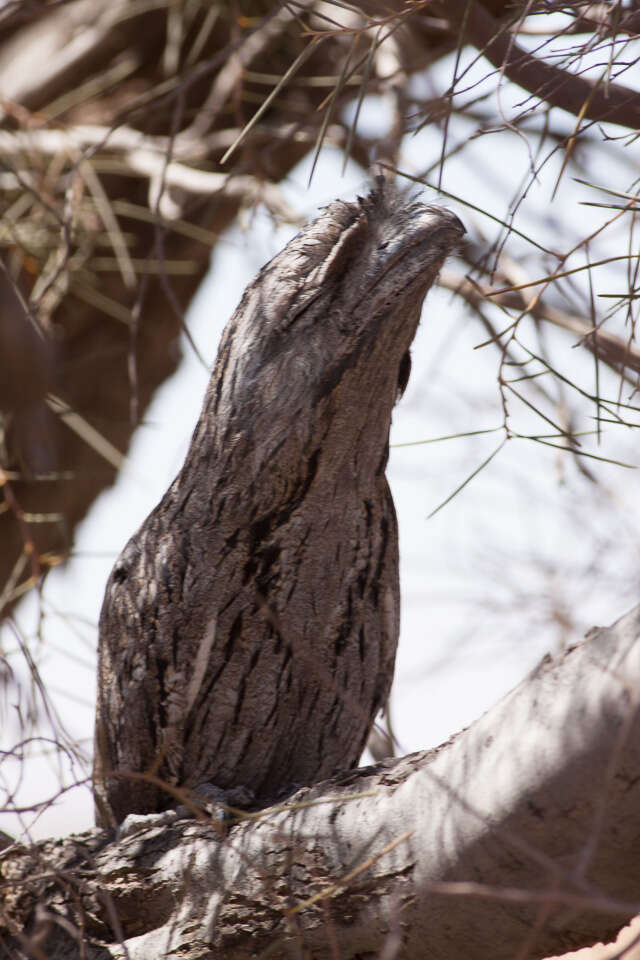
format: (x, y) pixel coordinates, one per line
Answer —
(607, 102)
(528, 822)
(25, 353)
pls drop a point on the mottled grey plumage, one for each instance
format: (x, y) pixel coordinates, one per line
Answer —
(249, 628)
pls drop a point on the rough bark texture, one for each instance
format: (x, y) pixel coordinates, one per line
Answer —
(519, 837)
(249, 627)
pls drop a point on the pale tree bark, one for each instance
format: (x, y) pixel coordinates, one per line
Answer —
(519, 837)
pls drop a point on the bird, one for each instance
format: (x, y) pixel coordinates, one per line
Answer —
(249, 628)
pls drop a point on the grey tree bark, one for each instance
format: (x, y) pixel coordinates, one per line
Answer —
(249, 628)
(519, 837)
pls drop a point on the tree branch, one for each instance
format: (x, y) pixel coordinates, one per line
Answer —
(610, 102)
(619, 354)
(528, 821)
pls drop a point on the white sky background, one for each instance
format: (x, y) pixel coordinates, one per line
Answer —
(480, 581)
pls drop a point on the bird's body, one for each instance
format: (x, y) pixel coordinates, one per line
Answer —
(249, 628)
